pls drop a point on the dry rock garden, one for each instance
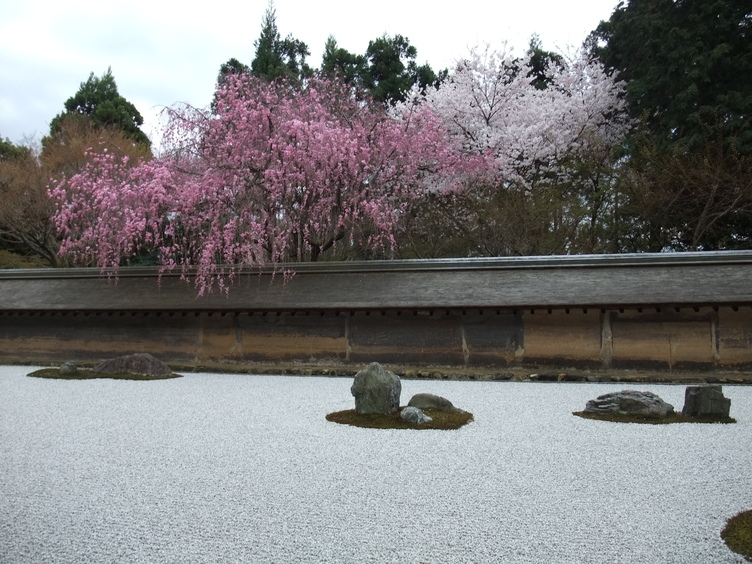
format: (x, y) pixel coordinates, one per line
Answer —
(97, 471)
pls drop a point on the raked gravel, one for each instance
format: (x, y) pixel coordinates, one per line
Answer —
(245, 469)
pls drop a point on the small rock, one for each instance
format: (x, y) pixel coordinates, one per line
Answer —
(630, 401)
(705, 401)
(414, 415)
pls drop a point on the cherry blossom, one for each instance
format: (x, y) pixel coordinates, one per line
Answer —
(490, 103)
(270, 175)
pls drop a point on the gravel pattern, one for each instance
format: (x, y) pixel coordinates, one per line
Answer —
(235, 468)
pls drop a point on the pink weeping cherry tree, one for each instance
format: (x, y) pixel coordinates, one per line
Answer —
(270, 175)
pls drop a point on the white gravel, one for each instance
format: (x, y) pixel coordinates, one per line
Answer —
(235, 468)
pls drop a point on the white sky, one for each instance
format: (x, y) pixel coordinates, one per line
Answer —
(167, 51)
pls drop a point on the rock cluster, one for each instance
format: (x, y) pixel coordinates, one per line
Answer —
(377, 390)
(630, 401)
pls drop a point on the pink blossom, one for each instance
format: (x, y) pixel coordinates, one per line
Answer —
(272, 175)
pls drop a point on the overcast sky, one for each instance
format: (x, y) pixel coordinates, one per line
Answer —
(167, 51)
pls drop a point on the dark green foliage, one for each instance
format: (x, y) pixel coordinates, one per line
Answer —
(388, 74)
(687, 181)
(276, 57)
(99, 99)
(444, 420)
(687, 64)
(9, 150)
(231, 67)
(541, 61)
(340, 63)
(391, 70)
(737, 534)
(387, 71)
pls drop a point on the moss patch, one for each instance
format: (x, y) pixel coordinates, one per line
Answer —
(90, 375)
(738, 534)
(9, 259)
(651, 419)
(444, 420)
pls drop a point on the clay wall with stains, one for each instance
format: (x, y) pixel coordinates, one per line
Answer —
(704, 339)
(680, 311)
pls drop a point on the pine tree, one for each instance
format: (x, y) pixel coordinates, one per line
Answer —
(99, 99)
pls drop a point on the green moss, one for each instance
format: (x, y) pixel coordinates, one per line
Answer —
(14, 260)
(444, 420)
(651, 419)
(738, 534)
(89, 375)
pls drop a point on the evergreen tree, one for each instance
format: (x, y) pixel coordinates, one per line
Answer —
(340, 63)
(99, 99)
(391, 70)
(9, 150)
(541, 62)
(387, 71)
(276, 57)
(231, 67)
(687, 64)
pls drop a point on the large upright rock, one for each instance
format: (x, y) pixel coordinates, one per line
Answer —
(376, 390)
(705, 401)
(630, 401)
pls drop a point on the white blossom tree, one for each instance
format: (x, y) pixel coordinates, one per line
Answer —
(551, 149)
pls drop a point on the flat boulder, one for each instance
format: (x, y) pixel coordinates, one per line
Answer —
(431, 401)
(376, 390)
(140, 363)
(705, 401)
(630, 401)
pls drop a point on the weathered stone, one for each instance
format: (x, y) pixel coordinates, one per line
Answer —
(430, 401)
(68, 368)
(140, 363)
(630, 401)
(376, 390)
(414, 415)
(705, 401)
